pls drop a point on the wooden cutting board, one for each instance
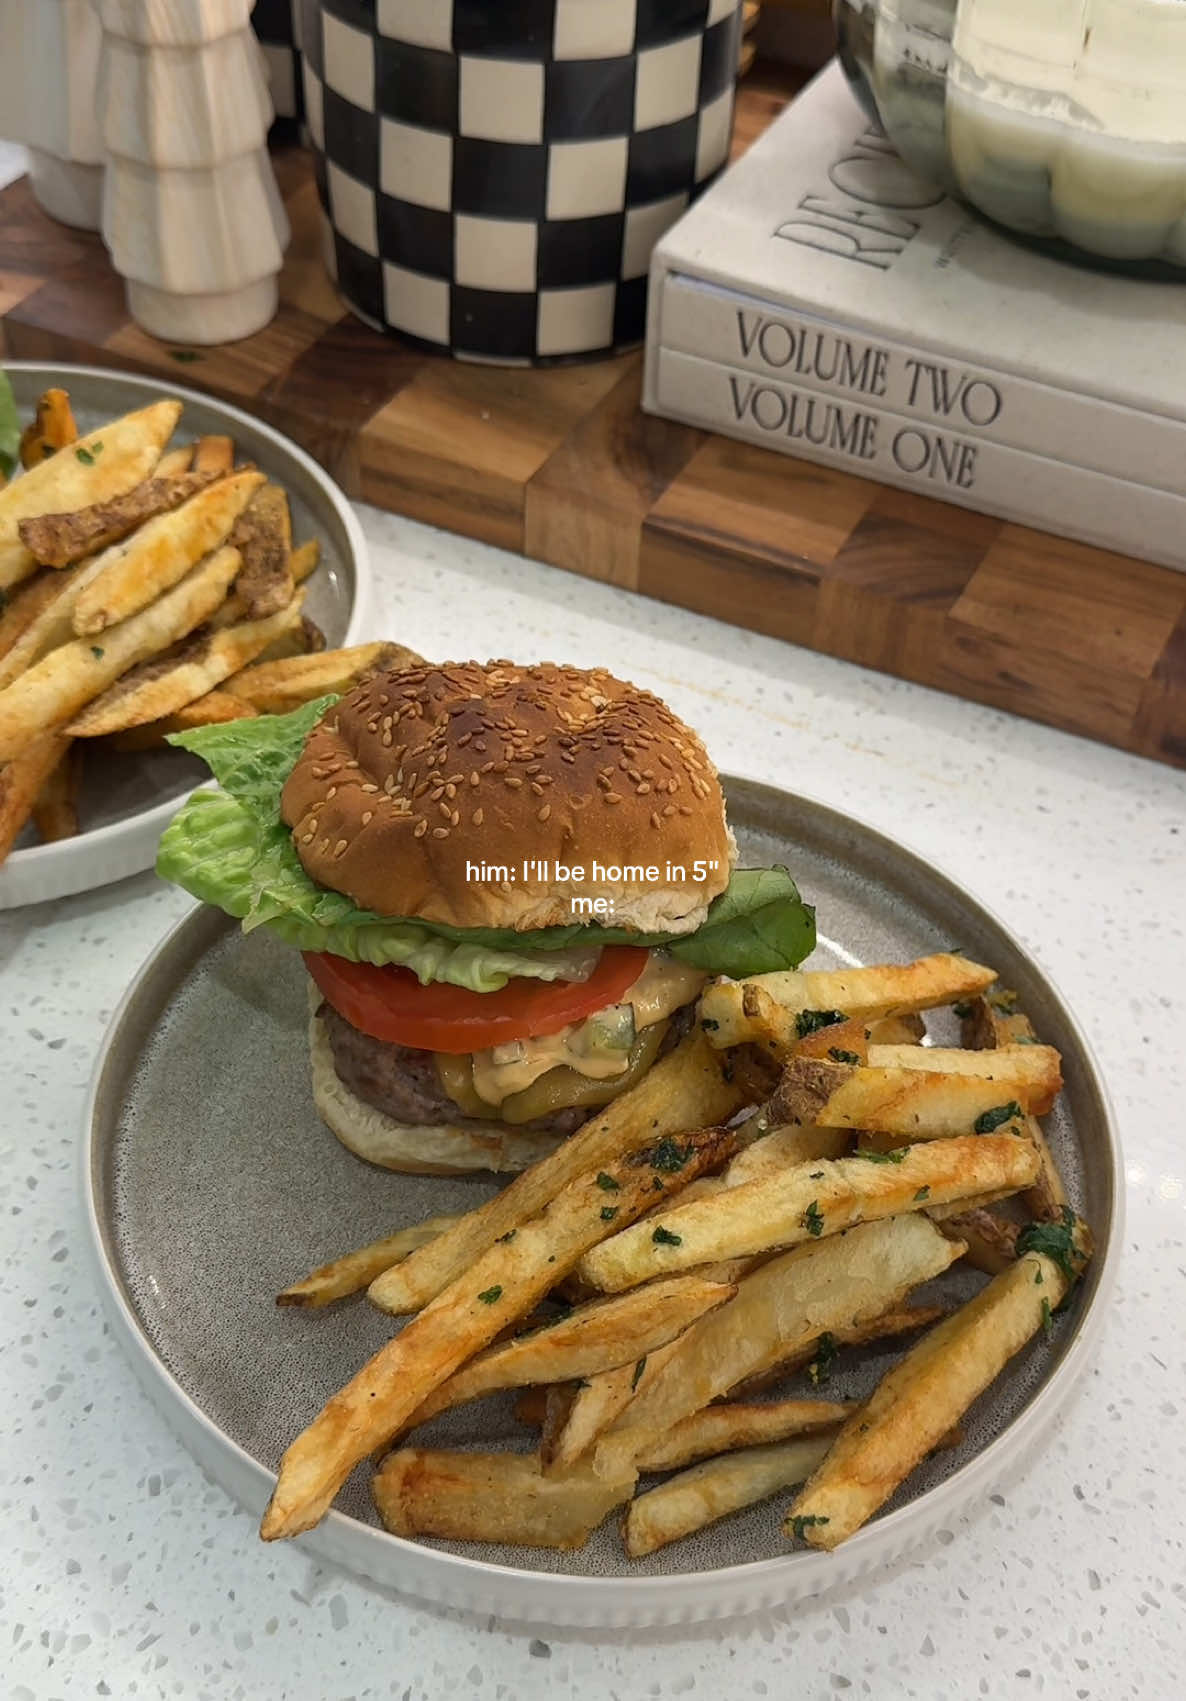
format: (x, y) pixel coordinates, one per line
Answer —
(562, 466)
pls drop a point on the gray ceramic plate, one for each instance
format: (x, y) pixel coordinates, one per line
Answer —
(210, 1184)
(127, 800)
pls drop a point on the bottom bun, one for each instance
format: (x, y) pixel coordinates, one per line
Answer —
(444, 1149)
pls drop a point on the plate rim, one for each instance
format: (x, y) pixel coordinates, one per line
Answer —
(130, 839)
(442, 1578)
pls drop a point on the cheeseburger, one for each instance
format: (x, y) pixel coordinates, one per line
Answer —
(509, 885)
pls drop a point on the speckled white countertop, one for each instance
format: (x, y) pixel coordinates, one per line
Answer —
(124, 1572)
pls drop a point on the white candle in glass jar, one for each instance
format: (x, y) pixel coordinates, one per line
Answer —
(1068, 118)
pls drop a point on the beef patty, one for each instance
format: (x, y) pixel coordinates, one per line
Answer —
(403, 1083)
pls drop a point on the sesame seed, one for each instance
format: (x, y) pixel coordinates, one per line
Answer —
(642, 789)
(613, 797)
(544, 812)
(473, 779)
(479, 817)
(342, 846)
(513, 781)
(440, 832)
(420, 829)
(367, 816)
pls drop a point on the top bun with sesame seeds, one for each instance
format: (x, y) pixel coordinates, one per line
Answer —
(416, 779)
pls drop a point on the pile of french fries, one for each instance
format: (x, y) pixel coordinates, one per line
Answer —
(704, 1259)
(144, 590)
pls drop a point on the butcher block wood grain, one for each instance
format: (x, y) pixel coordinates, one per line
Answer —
(561, 465)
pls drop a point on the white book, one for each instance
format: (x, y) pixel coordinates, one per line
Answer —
(860, 436)
(706, 319)
(820, 232)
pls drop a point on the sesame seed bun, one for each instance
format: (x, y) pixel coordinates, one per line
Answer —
(413, 775)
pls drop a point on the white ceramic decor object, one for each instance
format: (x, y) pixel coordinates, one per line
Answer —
(13, 14)
(48, 65)
(191, 212)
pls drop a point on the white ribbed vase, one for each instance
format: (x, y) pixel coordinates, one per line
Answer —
(191, 212)
(48, 61)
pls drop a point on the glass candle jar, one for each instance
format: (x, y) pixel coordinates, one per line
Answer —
(1061, 119)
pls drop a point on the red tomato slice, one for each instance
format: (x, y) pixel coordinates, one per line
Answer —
(390, 1004)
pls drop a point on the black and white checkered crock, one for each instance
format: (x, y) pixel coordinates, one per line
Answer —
(495, 173)
(276, 24)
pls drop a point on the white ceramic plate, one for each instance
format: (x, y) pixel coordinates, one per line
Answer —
(209, 1184)
(127, 801)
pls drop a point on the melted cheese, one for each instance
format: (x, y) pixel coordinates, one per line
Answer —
(663, 986)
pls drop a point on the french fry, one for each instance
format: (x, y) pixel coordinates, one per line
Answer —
(868, 994)
(304, 561)
(26, 604)
(991, 1241)
(263, 537)
(302, 640)
(160, 553)
(162, 686)
(213, 454)
(215, 708)
(55, 813)
(59, 540)
(21, 781)
(996, 1021)
(783, 1306)
(595, 1406)
(815, 1199)
(174, 462)
(52, 429)
(493, 1288)
(723, 1428)
(595, 1337)
(276, 687)
(99, 466)
(897, 1030)
(1036, 1068)
(531, 1407)
(915, 1104)
(926, 1393)
(493, 1497)
(845, 1041)
(51, 618)
(52, 692)
(686, 1503)
(558, 1399)
(816, 1356)
(782, 1149)
(356, 1270)
(1047, 1198)
(686, 1089)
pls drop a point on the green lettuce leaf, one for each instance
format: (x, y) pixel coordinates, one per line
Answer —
(232, 849)
(10, 427)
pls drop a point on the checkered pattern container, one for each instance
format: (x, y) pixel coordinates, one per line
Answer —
(495, 175)
(276, 25)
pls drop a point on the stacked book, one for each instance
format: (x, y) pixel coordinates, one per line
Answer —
(822, 301)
